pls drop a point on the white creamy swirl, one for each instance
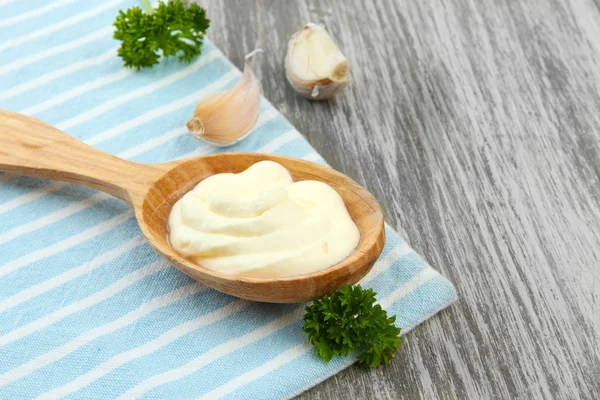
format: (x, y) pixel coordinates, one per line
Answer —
(261, 223)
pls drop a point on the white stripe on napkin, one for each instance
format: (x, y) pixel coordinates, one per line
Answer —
(279, 141)
(67, 276)
(108, 79)
(153, 143)
(24, 199)
(257, 373)
(416, 281)
(109, 133)
(22, 62)
(65, 244)
(142, 91)
(265, 117)
(303, 348)
(83, 304)
(31, 196)
(103, 258)
(50, 76)
(58, 26)
(52, 217)
(5, 2)
(75, 207)
(34, 13)
(313, 156)
(102, 370)
(77, 91)
(213, 354)
(162, 110)
(126, 320)
(237, 343)
(145, 349)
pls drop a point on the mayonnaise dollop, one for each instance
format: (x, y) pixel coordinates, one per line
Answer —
(261, 223)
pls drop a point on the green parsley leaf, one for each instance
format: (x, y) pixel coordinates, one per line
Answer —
(349, 320)
(171, 30)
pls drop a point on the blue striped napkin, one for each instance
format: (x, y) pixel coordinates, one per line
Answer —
(87, 309)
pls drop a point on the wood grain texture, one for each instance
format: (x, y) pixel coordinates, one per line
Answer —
(362, 206)
(477, 126)
(32, 147)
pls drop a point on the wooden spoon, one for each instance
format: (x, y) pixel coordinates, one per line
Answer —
(29, 146)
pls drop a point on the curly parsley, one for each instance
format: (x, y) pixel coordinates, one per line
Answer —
(349, 320)
(172, 29)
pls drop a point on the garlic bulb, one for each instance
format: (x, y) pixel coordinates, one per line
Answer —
(315, 66)
(225, 118)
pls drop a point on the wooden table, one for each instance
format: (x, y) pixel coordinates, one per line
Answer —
(476, 123)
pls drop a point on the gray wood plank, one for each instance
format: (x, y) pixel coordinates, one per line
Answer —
(476, 123)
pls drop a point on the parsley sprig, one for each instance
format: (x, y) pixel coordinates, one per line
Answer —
(349, 320)
(172, 29)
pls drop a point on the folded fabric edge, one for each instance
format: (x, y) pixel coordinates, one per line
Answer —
(443, 280)
(352, 360)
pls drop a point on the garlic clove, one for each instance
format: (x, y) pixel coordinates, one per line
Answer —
(315, 66)
(224, 118)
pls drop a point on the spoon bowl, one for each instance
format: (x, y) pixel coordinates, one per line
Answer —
(31, 147)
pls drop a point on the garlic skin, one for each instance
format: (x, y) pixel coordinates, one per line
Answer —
(314, 65)
(224, 118)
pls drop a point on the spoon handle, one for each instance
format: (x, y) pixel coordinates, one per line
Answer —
(31, 147)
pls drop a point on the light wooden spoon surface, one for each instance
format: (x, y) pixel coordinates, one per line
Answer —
(31, 147)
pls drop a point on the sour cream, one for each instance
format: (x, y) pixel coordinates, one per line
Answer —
(261, 223)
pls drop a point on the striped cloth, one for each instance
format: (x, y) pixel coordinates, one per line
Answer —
(87, 309)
